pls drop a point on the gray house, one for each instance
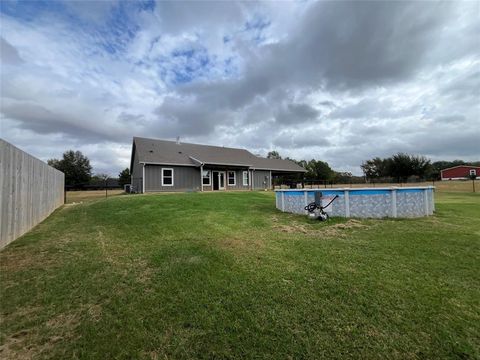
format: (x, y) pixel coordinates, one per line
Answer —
(159, 165)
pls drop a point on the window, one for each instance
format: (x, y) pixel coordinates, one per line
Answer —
(167, 177)
(473, 172)
(245, 178)
(206, 177)
(231, 178)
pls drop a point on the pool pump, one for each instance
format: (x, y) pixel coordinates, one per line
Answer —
(316, 210)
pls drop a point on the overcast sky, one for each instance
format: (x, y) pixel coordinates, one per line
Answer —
(336, 81)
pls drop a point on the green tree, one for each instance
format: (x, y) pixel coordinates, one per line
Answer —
(402, 165)
(342, 177)
(124, 177)
(273, 155)
(375, 168)
(421, 166)
(319, 170)
(75, 166)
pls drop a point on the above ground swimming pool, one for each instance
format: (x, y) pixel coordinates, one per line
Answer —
(362, 202)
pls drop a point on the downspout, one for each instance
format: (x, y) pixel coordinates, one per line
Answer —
(249, 179)
(201, 177)
(252, 181)
(143, 179)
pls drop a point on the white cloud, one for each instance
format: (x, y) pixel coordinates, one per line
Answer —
(341, 82)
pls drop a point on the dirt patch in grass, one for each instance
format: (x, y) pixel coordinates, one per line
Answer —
(143, 270)
(325, 231)
(19, 314)
(64, 320)
(15, 347)
(242, 244)
(296, 228)
(119, 260)
(350, 224)
(29, 344)
(33, 342)
(19, 260)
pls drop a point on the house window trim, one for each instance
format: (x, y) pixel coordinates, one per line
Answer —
(163, 177)
(248, 178)
(209, 178)
(234, 178)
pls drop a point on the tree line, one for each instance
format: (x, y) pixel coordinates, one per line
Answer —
(78, 171)
(399, 167)
(317, 170)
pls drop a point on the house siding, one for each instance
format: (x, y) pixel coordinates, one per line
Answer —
(261, 179)
(137, 174)
(185, 178)
(459, 172)
(238, 181)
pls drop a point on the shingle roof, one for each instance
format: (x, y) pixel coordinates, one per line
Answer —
(169, 152)
(464, 165)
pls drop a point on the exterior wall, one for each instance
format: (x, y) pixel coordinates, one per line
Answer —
(261, 179)
(137, 174)
(30, 190)
(459, 173)
(238, 181)
(188, 178)
(185, 178)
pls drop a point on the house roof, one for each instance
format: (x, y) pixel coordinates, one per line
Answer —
(170, 153)
(459, 166)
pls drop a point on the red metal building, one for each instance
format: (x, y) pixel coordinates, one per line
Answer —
(460, 172)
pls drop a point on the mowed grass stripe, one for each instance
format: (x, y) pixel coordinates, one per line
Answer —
(225, 275)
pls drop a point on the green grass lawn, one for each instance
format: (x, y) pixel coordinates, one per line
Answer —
(225, 275)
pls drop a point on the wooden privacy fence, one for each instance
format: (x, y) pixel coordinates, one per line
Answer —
(30, 190)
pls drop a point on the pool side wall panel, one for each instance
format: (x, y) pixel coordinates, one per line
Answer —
(377, 204)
